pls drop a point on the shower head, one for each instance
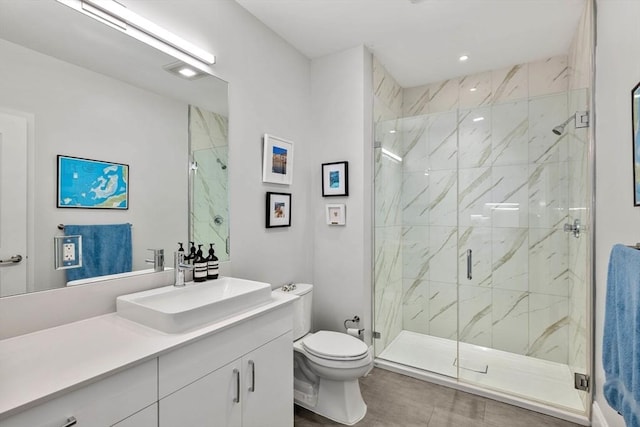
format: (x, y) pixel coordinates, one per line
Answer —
(581, 118)
(559, 130)
(222, 165)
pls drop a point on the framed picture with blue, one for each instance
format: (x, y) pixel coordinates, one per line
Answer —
(92, 184)
(277, 160)
(335, 179)
(635, 116)
(278, 210)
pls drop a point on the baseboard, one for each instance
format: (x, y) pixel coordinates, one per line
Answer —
(597, 418)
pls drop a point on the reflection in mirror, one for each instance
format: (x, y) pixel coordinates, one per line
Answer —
(208, 207)
(107, 98)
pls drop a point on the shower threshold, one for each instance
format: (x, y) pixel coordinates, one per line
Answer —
(520, 380)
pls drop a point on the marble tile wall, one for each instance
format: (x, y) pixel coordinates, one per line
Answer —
(209, 148)
(388, 284)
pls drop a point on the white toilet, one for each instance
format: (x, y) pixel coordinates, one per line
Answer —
(327, 365)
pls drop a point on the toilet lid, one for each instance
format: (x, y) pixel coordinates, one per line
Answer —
(334, 345)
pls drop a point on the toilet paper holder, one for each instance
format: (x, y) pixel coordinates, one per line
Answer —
(350, 329)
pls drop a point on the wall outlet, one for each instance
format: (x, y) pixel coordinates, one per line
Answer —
(69, 251)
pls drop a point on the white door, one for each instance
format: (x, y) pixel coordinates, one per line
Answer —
(13, 204)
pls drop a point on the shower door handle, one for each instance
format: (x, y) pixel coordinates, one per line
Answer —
(469, 263)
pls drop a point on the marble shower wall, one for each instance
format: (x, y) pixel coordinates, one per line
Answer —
(387, 211)
(208, 138)
(482, 170)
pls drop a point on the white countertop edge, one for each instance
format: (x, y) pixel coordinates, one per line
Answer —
(25, 361)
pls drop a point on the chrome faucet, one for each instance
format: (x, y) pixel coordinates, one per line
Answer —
(158, 259)
(179, 268)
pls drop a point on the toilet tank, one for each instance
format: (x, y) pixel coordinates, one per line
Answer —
(301, 307)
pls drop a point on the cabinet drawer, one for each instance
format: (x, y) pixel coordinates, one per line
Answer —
(100, 404)
(187, 364)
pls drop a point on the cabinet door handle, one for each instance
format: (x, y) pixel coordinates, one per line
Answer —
(237, 374)
(71, 421)
(469, 263)
(253, 375)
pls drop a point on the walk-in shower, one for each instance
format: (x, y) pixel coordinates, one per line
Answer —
(479, 278)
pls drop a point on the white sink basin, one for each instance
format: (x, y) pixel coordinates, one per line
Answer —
(176, 309)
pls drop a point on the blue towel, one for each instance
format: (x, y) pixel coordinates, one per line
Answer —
(621, 341)
(106, 249)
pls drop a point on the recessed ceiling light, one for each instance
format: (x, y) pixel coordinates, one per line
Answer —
(473, 89)
(478, 119)
(392, 131)
(463, 58)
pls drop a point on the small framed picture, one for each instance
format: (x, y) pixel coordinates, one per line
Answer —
(278, 210)
(277, 160)
(336, 214)
(335, 179)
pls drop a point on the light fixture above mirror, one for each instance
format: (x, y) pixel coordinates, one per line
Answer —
(117, 16)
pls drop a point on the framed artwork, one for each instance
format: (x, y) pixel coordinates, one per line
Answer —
(278, 210)
(92, 184)
(336, 214)
(335, 179)
(635, 116)
(277, 160)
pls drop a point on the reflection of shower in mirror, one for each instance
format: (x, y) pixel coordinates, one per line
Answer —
(581, 118)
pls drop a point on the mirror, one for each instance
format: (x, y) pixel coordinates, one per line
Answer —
(72, 86)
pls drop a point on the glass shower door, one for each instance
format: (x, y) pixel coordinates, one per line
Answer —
(517, 289)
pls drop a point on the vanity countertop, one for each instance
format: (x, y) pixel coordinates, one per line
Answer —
(42, 365)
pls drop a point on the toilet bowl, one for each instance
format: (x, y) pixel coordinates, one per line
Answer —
(327, 366)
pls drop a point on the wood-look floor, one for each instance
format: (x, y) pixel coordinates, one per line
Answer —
(397, 400)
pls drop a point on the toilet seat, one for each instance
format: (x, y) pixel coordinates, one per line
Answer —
(335, 346)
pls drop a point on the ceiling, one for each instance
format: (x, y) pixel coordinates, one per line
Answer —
(420, 41)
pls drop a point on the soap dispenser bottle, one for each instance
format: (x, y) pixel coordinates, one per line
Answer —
(199, 267)
(192, 254)
(212, 264)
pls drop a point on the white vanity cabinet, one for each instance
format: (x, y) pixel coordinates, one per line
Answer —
(103, 403)
(237, 372)
(148, 417)
(242, 376)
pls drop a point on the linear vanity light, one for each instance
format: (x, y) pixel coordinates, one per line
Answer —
(119, 17)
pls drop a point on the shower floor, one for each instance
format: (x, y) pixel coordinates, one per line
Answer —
(523, 376)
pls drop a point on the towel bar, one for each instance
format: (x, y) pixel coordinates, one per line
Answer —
(61, 227)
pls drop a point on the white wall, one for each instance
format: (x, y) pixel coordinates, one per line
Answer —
(341, 93)
(617, 220)
(80, 113)
(268, 93)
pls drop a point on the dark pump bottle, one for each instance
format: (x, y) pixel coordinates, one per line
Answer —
(212, 264)
(192, 254)
(199, 267)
